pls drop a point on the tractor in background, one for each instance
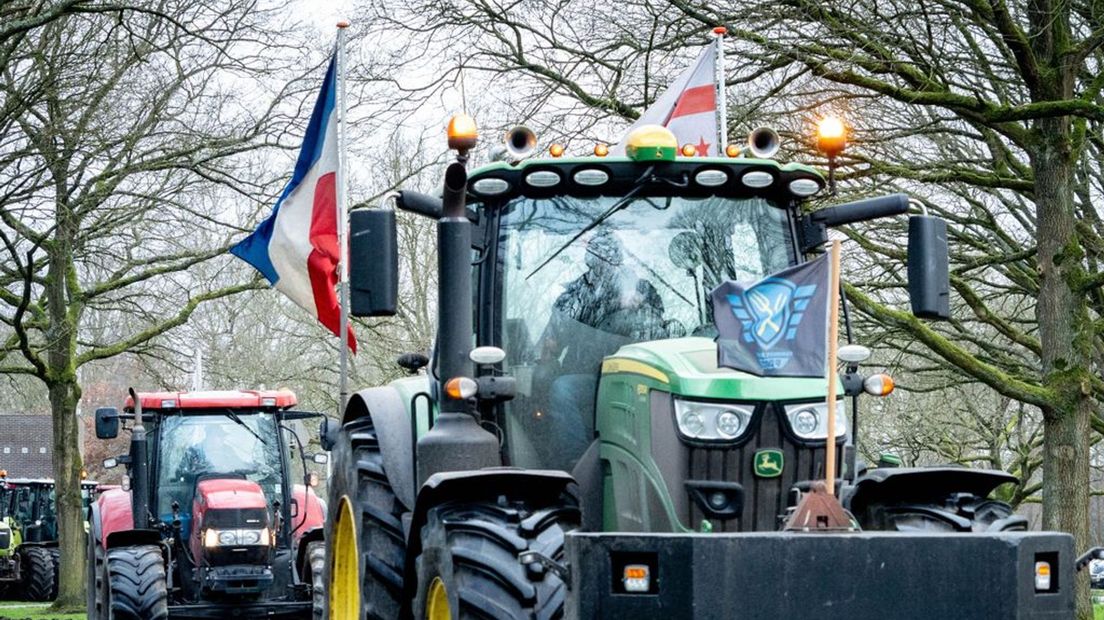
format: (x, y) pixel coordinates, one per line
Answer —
(29, 537)
(214, 518)
(573, 449)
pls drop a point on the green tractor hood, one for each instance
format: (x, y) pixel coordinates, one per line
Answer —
(688, 367)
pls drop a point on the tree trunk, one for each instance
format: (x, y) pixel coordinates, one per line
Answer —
(1065, 332)
(64, 307)
(64, 396)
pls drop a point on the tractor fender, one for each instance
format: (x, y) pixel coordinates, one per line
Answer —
(310, 535)
(312, 511)
(126, 538)
(530, 484)
(921, 484)
(111, 513)
(391, 421)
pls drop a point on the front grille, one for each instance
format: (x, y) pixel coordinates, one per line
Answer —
(764, 498)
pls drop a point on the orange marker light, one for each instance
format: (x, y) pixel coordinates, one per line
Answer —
(462, 133)
(556, 150)
(601, 150)
(733, 150)
(878, 385)
(689, 150)
(636, 578)
(831, 136)
(461, 388)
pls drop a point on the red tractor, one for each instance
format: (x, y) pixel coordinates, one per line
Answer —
(214, 518)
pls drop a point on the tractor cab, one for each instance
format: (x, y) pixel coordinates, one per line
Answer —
(213, 473)
(33, 509)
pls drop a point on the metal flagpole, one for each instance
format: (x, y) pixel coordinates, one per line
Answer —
(719, 79)
(342, 221)
(833, 344)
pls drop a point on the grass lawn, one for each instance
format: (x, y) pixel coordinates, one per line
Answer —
(34, 612)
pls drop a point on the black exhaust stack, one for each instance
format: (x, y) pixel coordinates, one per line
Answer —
(139, 468)
(456, 442)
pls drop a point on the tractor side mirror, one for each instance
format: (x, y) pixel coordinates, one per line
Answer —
(107, 423)
(325, 436)
(928, 271)
(321, 458)
(373, 263)
(815, 225)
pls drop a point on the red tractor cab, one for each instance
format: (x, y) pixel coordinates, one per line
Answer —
(215, 517)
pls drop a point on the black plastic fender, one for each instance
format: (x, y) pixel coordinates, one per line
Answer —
(922, 484)
(94, 522)
(391, 420)
(124, 538)
(309, 536)
(529, 484)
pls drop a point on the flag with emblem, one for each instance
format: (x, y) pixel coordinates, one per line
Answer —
(688, 107)
(778, 326)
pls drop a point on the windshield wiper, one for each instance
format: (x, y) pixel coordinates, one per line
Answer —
(235, 417)
(625, 201)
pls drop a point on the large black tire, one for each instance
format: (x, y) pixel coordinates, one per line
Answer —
(39, 573)
(137, 589)
(471, 550)
(55, 557)
(359, 476)
(959, 512)
(96, 588)
(314, 573)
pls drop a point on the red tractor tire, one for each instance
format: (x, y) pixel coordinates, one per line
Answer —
(96, 588)
(137, 588)
(316, 575)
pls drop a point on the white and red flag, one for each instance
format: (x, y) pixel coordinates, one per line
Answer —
(296, 248)
(688, 107)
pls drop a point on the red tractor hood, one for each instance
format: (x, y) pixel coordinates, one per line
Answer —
(224, 493)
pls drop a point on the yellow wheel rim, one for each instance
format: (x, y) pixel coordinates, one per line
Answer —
(344, 585)
(437, 604)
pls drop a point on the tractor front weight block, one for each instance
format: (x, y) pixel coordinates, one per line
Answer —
(868, 575)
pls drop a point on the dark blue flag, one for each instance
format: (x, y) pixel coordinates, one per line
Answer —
(778, 326)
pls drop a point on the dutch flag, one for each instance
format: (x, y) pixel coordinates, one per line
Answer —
(296, 247)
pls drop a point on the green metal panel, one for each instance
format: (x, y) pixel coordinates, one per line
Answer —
(690, 365)
(408, 388)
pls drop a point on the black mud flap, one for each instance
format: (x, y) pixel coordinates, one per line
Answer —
(870, 575)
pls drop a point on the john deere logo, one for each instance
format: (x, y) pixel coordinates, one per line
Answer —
(768, 463)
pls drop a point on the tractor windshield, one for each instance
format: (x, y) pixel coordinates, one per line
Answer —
(196, 447)
(644, 273)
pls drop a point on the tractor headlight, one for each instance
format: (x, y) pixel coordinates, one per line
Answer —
(711, 421)
(236, 538)
(810, 420)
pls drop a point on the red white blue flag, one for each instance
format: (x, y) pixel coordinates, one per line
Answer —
(296, 247)
(688, 107)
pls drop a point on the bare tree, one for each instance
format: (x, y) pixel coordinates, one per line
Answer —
(129, 142)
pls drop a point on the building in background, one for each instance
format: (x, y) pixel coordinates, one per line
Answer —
(26, 445)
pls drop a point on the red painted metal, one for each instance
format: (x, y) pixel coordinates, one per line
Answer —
(214, 399)
(221, 494)
(309, 505)
(115, 513)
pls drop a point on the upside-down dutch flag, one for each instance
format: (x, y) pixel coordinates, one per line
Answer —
(296, 247)
(688, 107)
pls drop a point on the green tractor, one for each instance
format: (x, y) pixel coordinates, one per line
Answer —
(29, 538)
(573, 449)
